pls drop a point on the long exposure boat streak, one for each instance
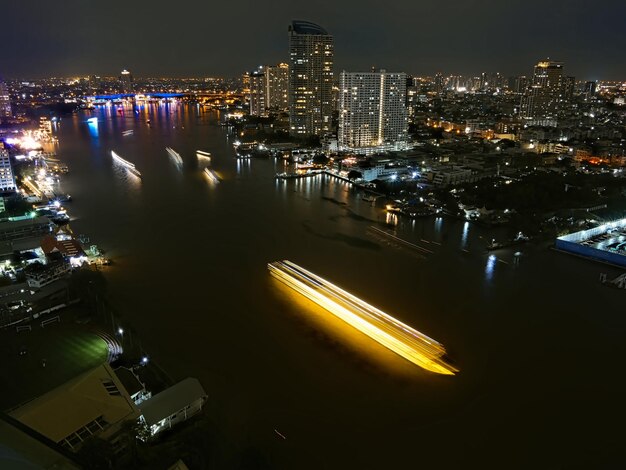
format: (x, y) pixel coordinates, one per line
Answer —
(383, 328)
(126, 164)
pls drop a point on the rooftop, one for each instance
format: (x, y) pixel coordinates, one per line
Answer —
(306, 27)
(171, 400)
(95, 394)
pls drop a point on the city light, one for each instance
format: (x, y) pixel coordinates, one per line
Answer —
(400, 338)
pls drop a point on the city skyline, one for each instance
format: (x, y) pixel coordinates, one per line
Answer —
(463, 39)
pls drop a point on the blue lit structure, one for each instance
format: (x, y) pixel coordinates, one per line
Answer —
(606, 243)
(120, 96)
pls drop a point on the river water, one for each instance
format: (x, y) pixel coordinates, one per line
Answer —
(539, 342)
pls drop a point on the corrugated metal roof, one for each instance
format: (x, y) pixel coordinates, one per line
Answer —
(171, 400)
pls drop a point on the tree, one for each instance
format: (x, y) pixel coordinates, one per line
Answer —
(353, 174)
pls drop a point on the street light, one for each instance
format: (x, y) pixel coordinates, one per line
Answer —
(120, 331)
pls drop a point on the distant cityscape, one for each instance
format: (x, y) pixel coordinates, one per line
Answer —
(538, 158)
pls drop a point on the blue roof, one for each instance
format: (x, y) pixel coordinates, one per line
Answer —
(306, 27)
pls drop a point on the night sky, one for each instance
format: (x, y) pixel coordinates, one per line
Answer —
(223, 38)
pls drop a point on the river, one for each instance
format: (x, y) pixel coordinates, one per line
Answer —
(539, 342)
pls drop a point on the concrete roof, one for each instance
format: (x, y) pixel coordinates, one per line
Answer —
(171, 400)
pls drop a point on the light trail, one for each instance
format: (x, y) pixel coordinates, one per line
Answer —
(401, 241)
(203, 154)
(175, 156)
(126, 164)
(400, 338)
(212, 175)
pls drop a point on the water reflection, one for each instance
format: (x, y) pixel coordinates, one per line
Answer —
(391, 219)
(464, 234)
(490, 267)
(438, 224)
(93, 128)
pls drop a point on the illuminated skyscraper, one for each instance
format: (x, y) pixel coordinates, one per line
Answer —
(7, 181)
(372, 111)
(277, 87)
(311, 52)
(545, 91)
(257, 93)
(126, 81)
(5, 101)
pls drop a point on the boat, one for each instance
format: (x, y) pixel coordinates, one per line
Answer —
(518, 240)
(175, 156)
(388, 331)
(212, 175)
(126, 164)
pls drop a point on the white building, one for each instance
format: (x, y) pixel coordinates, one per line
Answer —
(7, 181)
(172, 406)
(372, 111)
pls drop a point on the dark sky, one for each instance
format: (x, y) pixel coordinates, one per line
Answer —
(225, 37)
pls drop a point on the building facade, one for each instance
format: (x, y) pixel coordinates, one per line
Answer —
(372, 111)
(311, 55)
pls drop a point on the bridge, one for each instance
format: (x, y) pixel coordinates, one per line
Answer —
(205, 96)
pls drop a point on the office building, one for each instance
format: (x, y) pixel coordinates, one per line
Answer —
(311, 52)
(545, 91)
(372, 111)
(5, 101)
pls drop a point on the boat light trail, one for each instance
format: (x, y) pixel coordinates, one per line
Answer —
(212, 175)
(126, 164)
(178, 160)
(400, 338)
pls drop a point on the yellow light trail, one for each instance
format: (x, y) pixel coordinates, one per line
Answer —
(400, 338)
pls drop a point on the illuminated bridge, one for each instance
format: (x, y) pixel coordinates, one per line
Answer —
(386, 330)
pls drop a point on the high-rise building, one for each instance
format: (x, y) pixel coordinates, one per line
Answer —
(5, 101)
(269, 89)
(372, 111)
(7, 181)
(311, 52)
(126, 81)
(277, 87)
(257, 93)
(518, 84)
(439, 83)
(545, 91)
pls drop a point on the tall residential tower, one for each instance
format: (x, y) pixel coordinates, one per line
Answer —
(311, 52)
(5, 101)
(372, 111)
